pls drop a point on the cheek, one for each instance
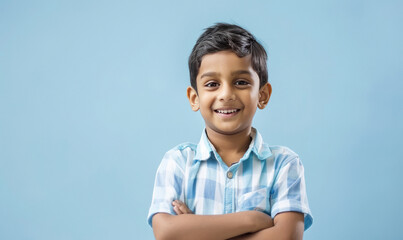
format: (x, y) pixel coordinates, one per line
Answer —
(252, 105)
(205, 106)
(252, 102)
(205, 100)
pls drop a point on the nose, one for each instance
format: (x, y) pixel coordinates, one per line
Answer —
(226, 93)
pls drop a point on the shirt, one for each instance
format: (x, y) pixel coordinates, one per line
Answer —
(267, 178)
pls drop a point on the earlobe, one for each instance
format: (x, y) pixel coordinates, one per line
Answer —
(264, 96)
(193, 99)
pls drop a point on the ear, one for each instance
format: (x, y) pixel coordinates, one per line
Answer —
(193, 98)
(264, 96)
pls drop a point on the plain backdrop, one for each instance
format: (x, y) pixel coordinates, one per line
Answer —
(93, 93)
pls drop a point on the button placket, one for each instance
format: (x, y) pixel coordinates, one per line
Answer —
(229, 199)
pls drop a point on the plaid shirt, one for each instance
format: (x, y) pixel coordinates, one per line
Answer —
(267, 178)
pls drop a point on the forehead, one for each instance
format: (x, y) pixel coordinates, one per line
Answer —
(225, 62)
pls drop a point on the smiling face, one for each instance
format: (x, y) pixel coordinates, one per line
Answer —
(228, 93)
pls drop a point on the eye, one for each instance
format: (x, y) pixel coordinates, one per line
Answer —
(211, 84)
(241, 82)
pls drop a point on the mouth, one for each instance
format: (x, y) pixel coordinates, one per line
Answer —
(227, 112)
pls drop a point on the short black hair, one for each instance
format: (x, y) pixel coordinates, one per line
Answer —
(224, 36)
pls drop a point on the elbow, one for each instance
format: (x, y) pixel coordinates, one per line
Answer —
(292, 238)
(161, 235)
(162, 227)
(291, 235)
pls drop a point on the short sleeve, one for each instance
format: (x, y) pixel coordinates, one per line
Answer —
(168, 185)
(289, 191)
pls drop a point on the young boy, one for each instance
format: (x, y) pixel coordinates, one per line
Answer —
(231, 185)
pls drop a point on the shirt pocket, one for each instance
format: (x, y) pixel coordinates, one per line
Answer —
(255, 200)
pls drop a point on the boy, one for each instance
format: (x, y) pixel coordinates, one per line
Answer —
(231, 185)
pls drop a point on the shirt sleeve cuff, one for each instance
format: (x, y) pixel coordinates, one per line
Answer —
(160, 208)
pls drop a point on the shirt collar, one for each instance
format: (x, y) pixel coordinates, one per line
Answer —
(205, 149)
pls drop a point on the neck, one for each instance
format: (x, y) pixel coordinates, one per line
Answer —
(230, 143)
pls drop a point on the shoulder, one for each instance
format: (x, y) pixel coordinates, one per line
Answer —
(179, 155)
(282, 151)
(282, 156)
(182, 150)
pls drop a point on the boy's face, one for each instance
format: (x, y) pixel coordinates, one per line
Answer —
(228, 92)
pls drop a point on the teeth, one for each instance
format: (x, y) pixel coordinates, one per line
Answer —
(227, 111)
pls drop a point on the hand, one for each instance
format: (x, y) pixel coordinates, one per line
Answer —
(181, 208)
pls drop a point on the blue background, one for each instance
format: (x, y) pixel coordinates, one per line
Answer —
(92, 94)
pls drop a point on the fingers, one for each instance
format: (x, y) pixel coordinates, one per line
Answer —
(176, 204)
(177, 210)
(180, 207)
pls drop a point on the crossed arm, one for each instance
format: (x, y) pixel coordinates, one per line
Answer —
(247, 225)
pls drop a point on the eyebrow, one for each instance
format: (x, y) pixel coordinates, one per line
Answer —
(208, 74)
(212, 74)
(239, 72)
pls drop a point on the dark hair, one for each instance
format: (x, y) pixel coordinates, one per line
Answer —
(223, 36)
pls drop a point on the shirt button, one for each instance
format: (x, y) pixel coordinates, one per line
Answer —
(229, 175)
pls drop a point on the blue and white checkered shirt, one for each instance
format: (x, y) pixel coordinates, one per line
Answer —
(267, 178)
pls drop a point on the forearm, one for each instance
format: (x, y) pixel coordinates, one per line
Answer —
(211, 227)
(287, 226)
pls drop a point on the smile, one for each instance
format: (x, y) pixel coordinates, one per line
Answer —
(226, 111)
